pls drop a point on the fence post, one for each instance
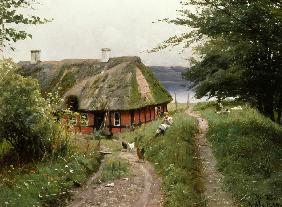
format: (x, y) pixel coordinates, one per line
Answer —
(175, 101)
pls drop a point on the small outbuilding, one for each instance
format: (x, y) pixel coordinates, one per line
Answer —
(113, 93)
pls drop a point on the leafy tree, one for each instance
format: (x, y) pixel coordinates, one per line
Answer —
(26, 121)
(239, 46)
(11, 14)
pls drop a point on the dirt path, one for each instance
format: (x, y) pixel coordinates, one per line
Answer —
(214, 194)
(142, 189)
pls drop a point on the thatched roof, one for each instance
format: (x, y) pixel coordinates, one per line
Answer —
(121, 84)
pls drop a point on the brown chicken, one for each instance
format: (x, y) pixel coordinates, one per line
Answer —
(141, 153)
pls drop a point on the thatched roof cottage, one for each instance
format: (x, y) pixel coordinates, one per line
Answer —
(114, 93)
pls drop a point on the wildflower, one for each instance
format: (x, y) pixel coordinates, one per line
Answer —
(66, 166)
(26, 185)
(71, 170)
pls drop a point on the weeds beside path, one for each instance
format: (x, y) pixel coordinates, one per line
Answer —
(248, 150)
(213, 180)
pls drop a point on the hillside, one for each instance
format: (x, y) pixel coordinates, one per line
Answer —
(248, 150)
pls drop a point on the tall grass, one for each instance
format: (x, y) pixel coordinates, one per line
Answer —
(46, 183)
(248, 148)
(115, 169)
(174, 156)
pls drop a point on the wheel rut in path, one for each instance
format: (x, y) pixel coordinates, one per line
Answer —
(213, 180)
(142, 189)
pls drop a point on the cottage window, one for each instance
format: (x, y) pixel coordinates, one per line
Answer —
(84, 119)
(73, 120)
(117, 119)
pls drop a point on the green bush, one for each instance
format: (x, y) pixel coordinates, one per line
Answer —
(26, 122)
(248, 148)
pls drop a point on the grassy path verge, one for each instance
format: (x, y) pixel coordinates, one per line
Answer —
(248, 148)
(215, 196)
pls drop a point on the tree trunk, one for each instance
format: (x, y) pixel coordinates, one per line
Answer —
(260, 104)
(268, 106)
(279, 116)
(279, 109)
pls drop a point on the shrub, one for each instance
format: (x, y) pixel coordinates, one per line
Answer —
(26, 122)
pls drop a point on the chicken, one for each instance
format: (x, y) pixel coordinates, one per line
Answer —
(124, 145)
(131, 146)
(141, 153)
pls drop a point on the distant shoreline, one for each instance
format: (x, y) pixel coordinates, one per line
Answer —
(171, 78)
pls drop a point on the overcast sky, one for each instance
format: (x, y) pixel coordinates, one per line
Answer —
(82, 27)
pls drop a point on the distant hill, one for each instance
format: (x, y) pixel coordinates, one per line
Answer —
(171, 78)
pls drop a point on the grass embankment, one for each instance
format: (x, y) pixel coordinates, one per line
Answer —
(248, 148)
(174, 156)
(47, 183)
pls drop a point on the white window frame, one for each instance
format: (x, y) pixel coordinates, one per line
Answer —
(117, 121)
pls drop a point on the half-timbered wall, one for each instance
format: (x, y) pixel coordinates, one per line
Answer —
(127, 118)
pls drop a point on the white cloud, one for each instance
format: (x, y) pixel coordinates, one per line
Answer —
(81, 28)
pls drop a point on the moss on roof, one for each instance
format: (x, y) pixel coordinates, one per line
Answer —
(158, 91)
(98, 86)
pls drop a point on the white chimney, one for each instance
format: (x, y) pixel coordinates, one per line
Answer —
(35, 56)
(106, 54)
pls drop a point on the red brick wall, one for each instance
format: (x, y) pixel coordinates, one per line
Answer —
(90, 116)
(125, 118)
(136, 116)
(142, 115)
(148, 118)
(86, 130)
(115, 130)
(153, 112)
(118, 130)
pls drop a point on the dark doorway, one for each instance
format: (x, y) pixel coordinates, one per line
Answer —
(99, 120)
